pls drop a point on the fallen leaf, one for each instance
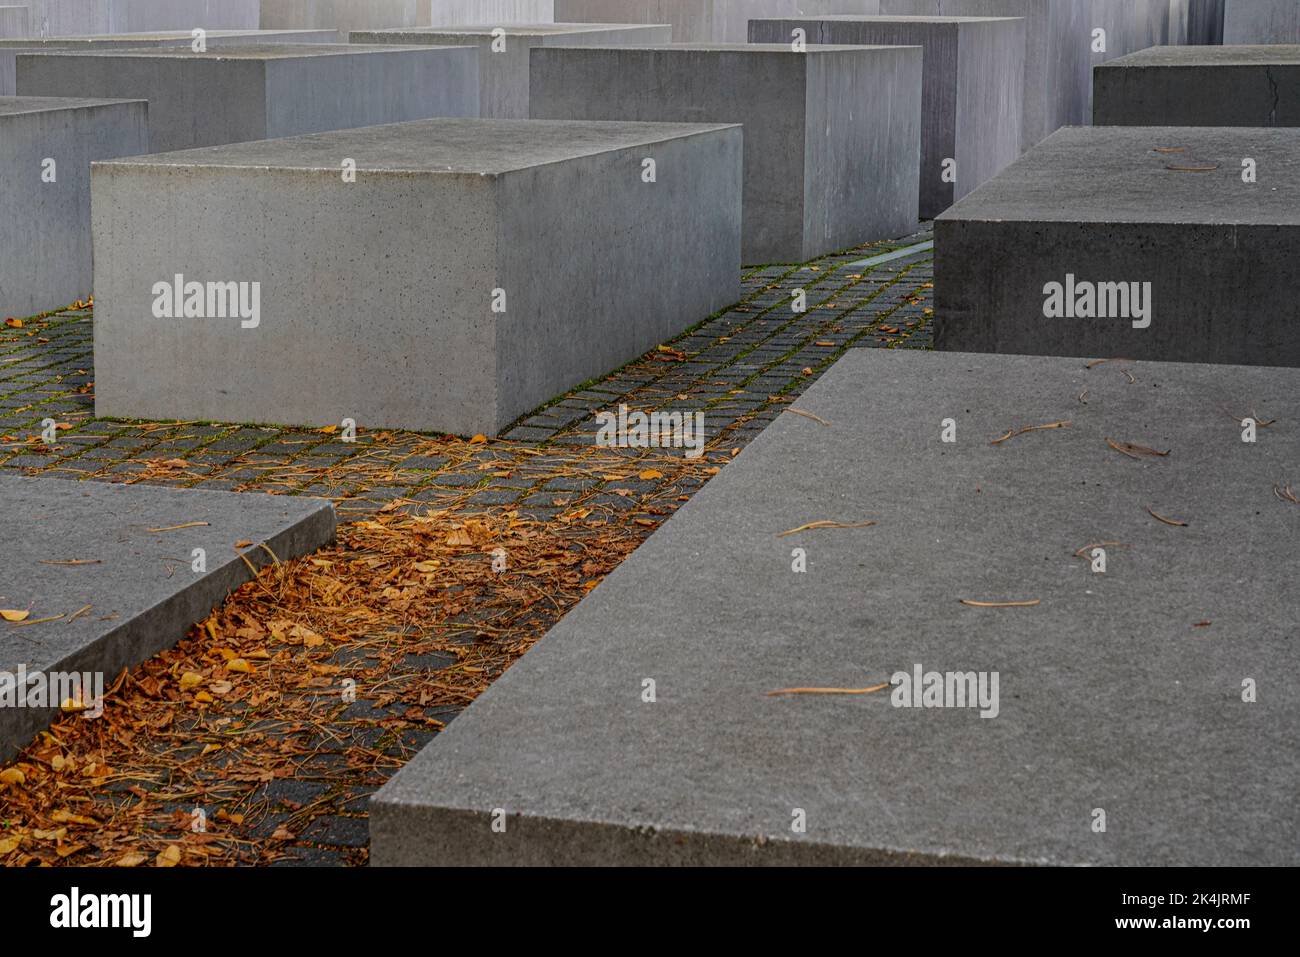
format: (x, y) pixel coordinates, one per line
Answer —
(241, 666)
(9, 844)
(133, 859)
(169, 856)
(190, 679)
(13, 615)
(649, 474)
(824, 524)
(1167, 521)
(1012, 433)
(12, 776)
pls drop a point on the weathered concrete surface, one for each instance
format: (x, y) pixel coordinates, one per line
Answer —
(236, 94)
(377, 296)
(1057, 84)
(216, 39)
(1109, 696)
(447, 13)
(1261, 21)
(1205, 22)
(973, 81)
(14, 22)
(1200, 86)
(46, 148)
(138, 581)
(343, 15)
(704, 21)
(503, 60)
(1102, 204)
(820, 175)
(61, 18)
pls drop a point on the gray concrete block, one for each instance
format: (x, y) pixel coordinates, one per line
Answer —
(138, 581)
(61, 18)
(450, 13)
(256, 92)
(1057, 81)
(1209, 256)
(14, 22)
(704, 21)
(1205, 22)
(1108, 696)
(45, 260)
(216, 39)
(1261, 21)
(973, 80)
(381, 299)
(503, 59)
(825, 167)
(343, 15)
(1200, 86)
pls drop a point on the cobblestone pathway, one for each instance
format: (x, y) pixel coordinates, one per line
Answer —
(279, 763)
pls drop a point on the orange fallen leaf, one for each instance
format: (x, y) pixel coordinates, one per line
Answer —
(169, 856)
(9, 614)
(649, 474)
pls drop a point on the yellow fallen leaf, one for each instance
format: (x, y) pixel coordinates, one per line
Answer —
(67, 817)
(57, 834)
(12, 776)
(9, 614)
(14, 323)
(170, 856)
(220, 687)
(478, 440)
(190, 680)
(209, 748)
(241, 666)
(130, 860)
(649, 474)
(203, 697)
(8, 844)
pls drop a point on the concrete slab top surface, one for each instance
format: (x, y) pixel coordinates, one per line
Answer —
(1119, 692)
(1239, 55)
(511, 29)
(133, 555)
(269, 51)
(453, 146)
(1117, 174)
(813, 49)
(880, 18)
(15, 105)
(126, 39)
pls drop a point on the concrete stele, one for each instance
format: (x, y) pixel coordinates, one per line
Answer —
(1109, 696)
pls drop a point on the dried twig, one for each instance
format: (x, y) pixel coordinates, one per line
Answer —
(1030, 428)
(824, 524)
(1087, 549)
(1001, 604)
(173, 528)
(1287, 494)
(1167, 521)
(871, 690)
(808, 415)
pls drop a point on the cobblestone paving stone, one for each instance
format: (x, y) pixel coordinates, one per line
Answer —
(740, 367)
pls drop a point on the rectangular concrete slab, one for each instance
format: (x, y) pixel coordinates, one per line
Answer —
(344, 16)
(704, 21)
(58, 18)
(216, 39)
(46, 148)
(118, 549)
(237, 94)
(14, 22)
(1057, 84)
(471, 271)
(446, 13)
(1092, 211)
(1205, 22)
(1261, 21)
(825, 166)
(1109, 697)
(503, 56)
(1200, 86)
(972, 92)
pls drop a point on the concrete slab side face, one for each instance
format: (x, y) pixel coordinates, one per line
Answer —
(1205, 22)
(1261, 21)
(46, 148)
(972, 89)
(412, 297)
(343, 15)
(1057, 82)
(1200, 86)
(448, 13)
(61, 18)
(14, 22)
(503, 61)
(704, 21)
(138, 579)
(238, 94)
(10, 50)
(1096, 243)
(790, 216)
(1108, 696)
